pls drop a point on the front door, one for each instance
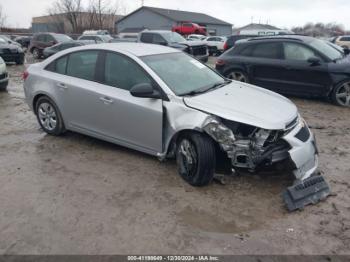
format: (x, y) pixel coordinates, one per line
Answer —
(301, 76)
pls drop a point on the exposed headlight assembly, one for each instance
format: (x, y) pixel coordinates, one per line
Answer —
(220, 133)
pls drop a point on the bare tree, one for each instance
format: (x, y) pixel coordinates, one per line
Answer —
(102, 13)
(69, 10)
(320, 29)
(3, 17)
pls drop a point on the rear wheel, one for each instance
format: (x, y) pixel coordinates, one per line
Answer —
(20, 61)
(237, 76)
(49, 117)
(196, 159)
(36, 53)
(341, 94)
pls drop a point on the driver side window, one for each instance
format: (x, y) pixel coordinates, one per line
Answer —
(293, 51)
(123, 73)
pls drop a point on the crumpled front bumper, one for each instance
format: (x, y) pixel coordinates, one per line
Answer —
(303, 152)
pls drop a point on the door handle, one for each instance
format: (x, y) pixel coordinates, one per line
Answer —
(62, 86)
(106, 100)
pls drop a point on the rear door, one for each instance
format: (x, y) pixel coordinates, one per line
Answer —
(264, 64)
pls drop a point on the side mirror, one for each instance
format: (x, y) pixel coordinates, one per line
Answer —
(145, 90)
(314, 61)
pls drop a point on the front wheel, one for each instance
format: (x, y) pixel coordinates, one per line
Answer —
(49, 117)
(341, 94)
(196, 159)
(237, 76)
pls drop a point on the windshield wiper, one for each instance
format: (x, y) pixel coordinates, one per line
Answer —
(212, 87)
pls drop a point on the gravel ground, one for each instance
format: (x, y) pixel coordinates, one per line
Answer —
(78, 195)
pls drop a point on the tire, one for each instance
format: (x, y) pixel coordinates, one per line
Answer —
(49, 116)
(3, 87)
(20, 61)
(341, 94)
(237, 75)
(36, 53)
(196, 159)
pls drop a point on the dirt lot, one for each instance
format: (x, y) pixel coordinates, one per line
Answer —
(78, 195)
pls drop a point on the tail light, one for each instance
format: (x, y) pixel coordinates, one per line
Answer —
(225, 46)
(220, 62)
(25, 75)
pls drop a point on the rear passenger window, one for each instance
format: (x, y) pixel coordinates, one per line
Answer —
(58, 66)
(82, 65)
(61, 65)
(247, 51)
(267, 50)
(123, 73)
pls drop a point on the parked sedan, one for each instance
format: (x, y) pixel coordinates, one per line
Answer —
(165, 103)
(11, 53)
(294, 65)
(49, 51)
(4, 78)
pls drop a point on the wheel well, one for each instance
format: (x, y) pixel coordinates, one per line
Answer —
(35, 100)
(334, 86)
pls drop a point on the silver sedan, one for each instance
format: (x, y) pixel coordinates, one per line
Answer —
(165, 103)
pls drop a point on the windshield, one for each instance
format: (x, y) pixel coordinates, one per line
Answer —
(182, 73)
(63, 38)
(173, 37)
(326, 49)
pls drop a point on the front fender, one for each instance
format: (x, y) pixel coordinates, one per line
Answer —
(180, 118)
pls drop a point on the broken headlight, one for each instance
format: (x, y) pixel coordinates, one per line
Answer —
(220, 133)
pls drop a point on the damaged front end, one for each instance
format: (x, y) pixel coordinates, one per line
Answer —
(294, 148)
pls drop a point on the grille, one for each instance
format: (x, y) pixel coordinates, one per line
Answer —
(199, 50)
(304, 134)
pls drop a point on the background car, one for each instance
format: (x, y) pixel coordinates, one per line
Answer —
(9, 40)
(42, 40)
(189, 29)
(215, 44)
(231, 40)
(24, 41)
(196, 37)
(49, 51)
(11, 53)
(96, 38)
(343, 41)
(197, 49)
(294, 65)
(4, 78)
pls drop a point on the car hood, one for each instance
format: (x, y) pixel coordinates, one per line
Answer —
(246, 104)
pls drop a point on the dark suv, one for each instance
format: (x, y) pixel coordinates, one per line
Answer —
(42, 40)
(295, 65)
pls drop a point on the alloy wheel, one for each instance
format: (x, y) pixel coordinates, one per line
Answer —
(343, 94)
(188, 158)
(47, 116)
(238, 76)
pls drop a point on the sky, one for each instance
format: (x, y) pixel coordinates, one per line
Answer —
(281, 13)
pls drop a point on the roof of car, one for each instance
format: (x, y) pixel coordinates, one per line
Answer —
(301, 38)
(157, 31)
(137, 49)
